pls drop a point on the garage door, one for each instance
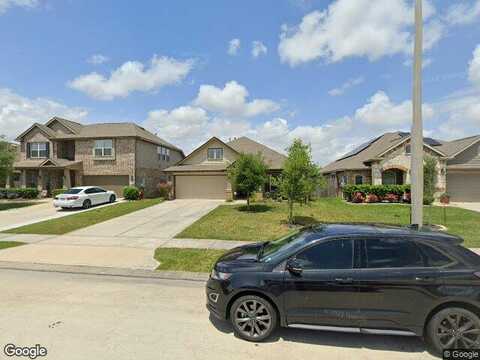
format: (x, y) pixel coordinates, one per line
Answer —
(464, 187)
(114, 182)
(200, 187)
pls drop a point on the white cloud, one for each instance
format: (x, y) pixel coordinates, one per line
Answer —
(18, 113)
(381, 112)
(7, 4)
(233, 47)
(463, 12)
(133, 76)
(370, 28)
(258, 49)
(346, 86)
(474, 67)
(232, 101)
(97, 59)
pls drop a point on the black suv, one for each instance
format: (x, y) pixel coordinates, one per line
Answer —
(352, 278)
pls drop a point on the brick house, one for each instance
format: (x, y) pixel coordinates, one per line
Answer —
(386, 160)
(63, 153)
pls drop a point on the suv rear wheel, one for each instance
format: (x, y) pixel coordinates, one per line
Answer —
(253, 318)
(454, 328)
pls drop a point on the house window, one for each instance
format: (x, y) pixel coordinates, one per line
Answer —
(344, 180)
(163, 153)
(103, 148)
(215, 154)
(358, 180)
(408, 149)
(38, 150)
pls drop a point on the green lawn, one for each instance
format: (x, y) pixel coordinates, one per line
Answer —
(15, 205)
(195, 260)
(268, 221)
(77, 221)
(9, 244)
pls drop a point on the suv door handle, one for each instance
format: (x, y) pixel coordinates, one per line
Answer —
(344, 281)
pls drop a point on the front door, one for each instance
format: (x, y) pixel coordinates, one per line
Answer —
(325, 292)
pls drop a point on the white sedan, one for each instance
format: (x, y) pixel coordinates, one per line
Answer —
(84, 197)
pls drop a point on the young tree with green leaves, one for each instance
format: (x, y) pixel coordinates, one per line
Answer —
(429, 179)
(314, 181)
(7, 157)
(295, 181)
(248, 174)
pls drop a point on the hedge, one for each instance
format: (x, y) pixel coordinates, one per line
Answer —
(379, 190)
(15, 193)
(131, 193)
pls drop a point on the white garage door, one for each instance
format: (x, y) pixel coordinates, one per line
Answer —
(200, 187)
(463, 186)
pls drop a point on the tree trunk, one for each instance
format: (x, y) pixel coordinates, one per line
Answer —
(248, 201)
(290, 211)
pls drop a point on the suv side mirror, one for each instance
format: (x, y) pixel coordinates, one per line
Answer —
(294, 267)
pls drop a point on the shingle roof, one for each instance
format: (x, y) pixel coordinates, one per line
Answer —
(198, 167)
(356, 159)
(74, 126)
(273, 158)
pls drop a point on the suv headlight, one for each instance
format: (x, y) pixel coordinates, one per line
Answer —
(217, 275)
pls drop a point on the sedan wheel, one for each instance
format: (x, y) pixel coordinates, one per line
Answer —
(87, 204)
(112, 199)
(253, 318)
(454, 328)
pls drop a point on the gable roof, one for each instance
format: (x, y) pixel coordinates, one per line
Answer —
(273, 158)
(355, 160)
(46, 130)
(455, 147)
(213, 138)
(71, 125)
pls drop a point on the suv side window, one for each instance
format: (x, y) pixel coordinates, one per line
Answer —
(334, 254)
(392, 253)
(433, 257)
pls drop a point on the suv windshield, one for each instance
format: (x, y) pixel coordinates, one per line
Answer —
(278, 248)
(73, 191)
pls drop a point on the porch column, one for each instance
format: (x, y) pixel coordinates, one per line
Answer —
(376, 174)
(40, 180)
(7, 183)
(23, 179)
(66, 179)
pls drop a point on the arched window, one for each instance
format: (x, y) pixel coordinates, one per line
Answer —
(358, 180)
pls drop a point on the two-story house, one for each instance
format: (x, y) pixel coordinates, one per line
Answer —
(203, 173)
(63, 153)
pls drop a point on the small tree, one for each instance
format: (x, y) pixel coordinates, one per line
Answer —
(429, 179)
(7, 157)
(248, 174)
(314, 181)
(295, 181)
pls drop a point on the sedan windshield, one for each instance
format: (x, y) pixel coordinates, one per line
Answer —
(73, 191)
(283, 247)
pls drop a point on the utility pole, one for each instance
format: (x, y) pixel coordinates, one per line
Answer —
(417, 126)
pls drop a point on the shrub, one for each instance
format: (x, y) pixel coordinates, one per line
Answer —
(379, 190)
(358, 197)
(15, 193)
(445, 199)
(131, 193)
(372, 198)
(164, 190)
(57, 192)
(393, 198)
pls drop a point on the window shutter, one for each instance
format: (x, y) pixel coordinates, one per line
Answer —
(28, 150)
(48, 150)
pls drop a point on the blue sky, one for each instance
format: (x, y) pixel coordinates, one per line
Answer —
(334, 73)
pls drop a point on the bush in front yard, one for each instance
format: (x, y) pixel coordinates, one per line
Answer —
(131, 193)
(372, 198)
(164, 190)
(57, 192)
(358, 198)
(392, 198)
(379, 190)
(15, 193)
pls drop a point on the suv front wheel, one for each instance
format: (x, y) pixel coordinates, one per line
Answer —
(454, 328)
(253, 318)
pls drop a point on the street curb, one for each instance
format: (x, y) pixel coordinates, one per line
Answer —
(105, 271)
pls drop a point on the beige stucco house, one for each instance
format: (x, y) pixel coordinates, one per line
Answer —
(203, 173)
(386, 160)
(63, 153)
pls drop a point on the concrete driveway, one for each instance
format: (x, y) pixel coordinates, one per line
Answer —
(124, 242)
(44, 210)
(474, 206)
(102, 317)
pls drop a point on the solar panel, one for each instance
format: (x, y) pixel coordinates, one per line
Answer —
(359, 149)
